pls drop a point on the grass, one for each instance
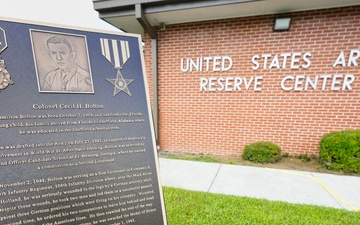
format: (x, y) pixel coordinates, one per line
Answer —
(191, 208)
(200, 158)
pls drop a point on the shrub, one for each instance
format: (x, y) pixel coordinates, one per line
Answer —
(341, 151)
(262, 152)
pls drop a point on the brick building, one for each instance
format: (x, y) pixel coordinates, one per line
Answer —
(221, 77)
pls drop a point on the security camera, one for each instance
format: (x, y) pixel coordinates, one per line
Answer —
(162, 26)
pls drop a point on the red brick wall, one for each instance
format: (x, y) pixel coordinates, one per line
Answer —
(222, 123)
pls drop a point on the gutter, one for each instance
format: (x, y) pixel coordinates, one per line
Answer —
(139, 15)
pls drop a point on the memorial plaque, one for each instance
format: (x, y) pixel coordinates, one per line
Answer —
(77, 143)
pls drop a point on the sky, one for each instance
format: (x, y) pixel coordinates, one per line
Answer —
(78, 13)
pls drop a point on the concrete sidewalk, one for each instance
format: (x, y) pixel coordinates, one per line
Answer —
(342, 192)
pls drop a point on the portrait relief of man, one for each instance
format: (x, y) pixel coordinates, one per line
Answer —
(60, 66)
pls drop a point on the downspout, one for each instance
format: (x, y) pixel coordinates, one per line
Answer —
(139, 14)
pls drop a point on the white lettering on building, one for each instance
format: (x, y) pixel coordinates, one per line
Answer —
(353, 57)
(319, 82)
(215, 64)
(282, 61)
(230, 84)
(293, 60)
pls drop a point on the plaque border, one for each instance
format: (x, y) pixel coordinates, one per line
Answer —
(146, 86)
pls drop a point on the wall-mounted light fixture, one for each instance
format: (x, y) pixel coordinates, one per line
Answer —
(282, 24)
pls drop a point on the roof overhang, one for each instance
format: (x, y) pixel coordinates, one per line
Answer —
(122, 13)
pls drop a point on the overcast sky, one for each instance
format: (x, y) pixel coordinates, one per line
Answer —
(79, 13)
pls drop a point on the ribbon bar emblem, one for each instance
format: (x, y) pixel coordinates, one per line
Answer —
(115, 51)
(3, 42)
(5, 79)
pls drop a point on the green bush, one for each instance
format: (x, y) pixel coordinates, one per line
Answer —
(262, 152)
(341, 151)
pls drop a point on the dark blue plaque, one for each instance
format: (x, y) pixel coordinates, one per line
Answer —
(77, 144)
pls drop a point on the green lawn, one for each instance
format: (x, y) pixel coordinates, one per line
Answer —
(191, 208)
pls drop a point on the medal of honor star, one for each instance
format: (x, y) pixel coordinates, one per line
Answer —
(69, 76)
